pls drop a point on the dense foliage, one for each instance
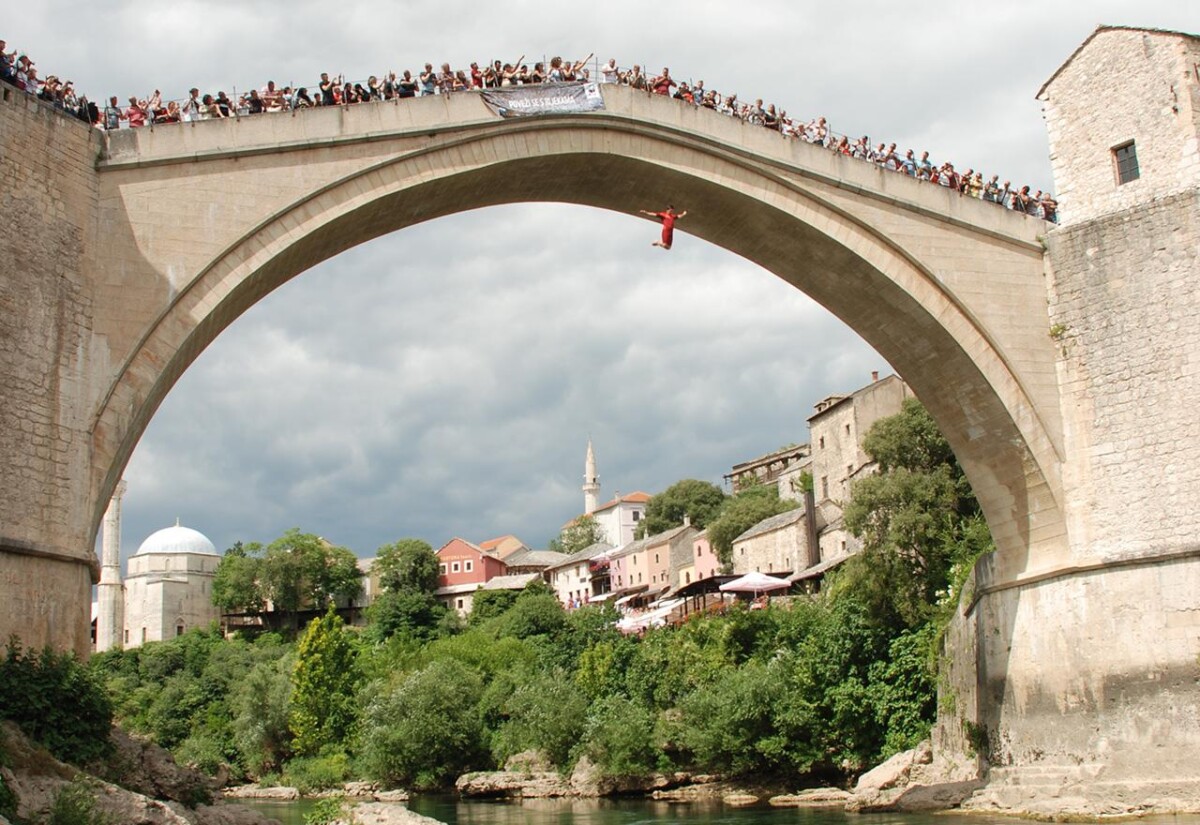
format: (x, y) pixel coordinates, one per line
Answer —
(827, 684)
(57, 701)
(297, 570)
(699, 500)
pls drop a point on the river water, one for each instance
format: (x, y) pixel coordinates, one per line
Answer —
(647, 812)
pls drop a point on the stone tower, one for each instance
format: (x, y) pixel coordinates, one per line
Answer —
(591, 482)
(110, 593)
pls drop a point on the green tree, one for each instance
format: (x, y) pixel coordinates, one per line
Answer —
(260, 705)
(580, 534)
(741, 512)
(620, 737)
(917, 518)
(425, 729)
(57, 701)
(488, 604)
(236, 585)
(545, 713)
(699, 500)
(302, 570)
(414, 614)
(323, 710)
(407, 566)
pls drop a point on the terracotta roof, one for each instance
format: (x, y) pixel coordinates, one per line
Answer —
(633, 498)
(1105, 28)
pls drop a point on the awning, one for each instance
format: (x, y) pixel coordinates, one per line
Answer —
(601, 597)
(631, 593)
(755, 583)
(818, 569)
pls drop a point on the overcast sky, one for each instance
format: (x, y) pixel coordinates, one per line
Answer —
(436, 383)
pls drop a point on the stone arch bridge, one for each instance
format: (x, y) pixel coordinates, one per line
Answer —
(128, 253)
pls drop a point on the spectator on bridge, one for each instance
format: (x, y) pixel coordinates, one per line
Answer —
(327, 87)
(112, 114)
(272, 97)
(7, 64)
(476, 76)
(135, 113)
(445, 79)
(609, 73)
(302, 100)
(662, 84)
(428, 81)
(406, 85)
(251, 103)
(191, 107)
(169, 114)
(635, 79)
(210, 110)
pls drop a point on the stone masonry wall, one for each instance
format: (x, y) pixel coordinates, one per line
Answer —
(1124, 307)
(47, 194)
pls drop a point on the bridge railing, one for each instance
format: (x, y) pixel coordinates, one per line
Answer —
(290, 98)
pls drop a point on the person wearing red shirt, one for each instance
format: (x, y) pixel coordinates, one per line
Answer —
(668, 219)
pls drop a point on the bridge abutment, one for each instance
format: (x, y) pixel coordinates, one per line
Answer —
(1078, 687)
(48, 194)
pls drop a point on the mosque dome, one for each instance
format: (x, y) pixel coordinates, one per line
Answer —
(177, 539)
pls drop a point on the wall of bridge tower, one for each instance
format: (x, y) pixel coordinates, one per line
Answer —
(48, 190)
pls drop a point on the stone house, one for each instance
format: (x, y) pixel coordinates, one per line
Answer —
(776, 545)
(836, 431)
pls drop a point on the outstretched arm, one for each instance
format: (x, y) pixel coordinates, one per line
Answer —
(681, 214)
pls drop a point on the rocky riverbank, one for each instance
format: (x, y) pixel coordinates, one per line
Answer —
(139, 785)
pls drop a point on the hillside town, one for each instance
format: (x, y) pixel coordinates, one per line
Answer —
(652, 580)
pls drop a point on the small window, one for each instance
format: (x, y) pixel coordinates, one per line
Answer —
(843, 545)
(178, 630)
(126, 635)
(458, 603)
(442, 568)
(656, 558)
(639, 578)
(847, 429)
(455, 567)
(824, 486)
(821, 443)
(1125, 158)
(468, 566)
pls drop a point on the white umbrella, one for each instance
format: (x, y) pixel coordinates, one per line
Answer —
(755, 583)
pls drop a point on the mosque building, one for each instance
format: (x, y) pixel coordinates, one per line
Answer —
(167, 588)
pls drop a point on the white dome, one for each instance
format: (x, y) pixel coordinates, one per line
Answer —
(177, 540)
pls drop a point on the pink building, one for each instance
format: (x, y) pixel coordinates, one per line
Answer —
(706, 563)
(462, 568)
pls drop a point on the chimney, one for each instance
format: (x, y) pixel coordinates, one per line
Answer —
(874, 376)
(687, 520)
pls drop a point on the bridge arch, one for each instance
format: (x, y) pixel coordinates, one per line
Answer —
(928, 280)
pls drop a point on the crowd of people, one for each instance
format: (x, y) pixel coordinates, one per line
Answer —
(20, 71)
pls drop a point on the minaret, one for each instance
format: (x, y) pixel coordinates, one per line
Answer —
(110, 593)
(591, 482)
